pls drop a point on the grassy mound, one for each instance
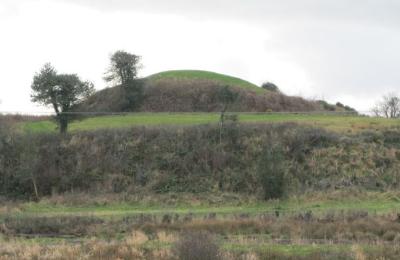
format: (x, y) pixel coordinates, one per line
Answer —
(198, 91)
(206, 75)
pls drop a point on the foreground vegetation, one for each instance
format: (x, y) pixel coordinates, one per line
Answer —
(179, 189)
(240, 158)
(163, 246)
(341, 225)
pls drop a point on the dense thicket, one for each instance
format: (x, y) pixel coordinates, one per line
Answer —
(183, 95)
(192, 159)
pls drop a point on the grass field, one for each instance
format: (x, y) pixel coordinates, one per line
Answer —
(331, 122)
(372, 202)
(207, 75)
(246, 229)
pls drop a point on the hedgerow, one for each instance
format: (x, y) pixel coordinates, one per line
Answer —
(192, 159)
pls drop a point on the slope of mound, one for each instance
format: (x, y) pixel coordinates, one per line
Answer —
(217, 78)
(198, 91)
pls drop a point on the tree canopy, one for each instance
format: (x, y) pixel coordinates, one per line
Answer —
(123, 71)
(123, 68)
(61, 91)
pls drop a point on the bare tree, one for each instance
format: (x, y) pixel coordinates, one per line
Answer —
(388, 107)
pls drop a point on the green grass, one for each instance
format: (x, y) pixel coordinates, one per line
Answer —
(303, 250)
(373, 202)
(207, 75)
(287, 250)
(331, 122)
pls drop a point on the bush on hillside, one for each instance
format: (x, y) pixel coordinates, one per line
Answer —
(270, 86)
(346, 108)
(301, 141)
(133, 98)
(202, 96)
(326, 106)
(271, 171)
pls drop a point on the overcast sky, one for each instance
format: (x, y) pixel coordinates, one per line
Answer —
(338, 50)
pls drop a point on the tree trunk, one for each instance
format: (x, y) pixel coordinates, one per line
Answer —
(221, 127)
(63, 122)
(221, 123)
(35, 188)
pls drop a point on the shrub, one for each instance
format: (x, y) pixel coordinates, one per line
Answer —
(391, 138)
(301, 141)
(51, 225)
(270, 86)
(326, 106)
(197, 246)
(271, 172)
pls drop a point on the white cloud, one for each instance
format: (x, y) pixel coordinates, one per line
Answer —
(331, 49)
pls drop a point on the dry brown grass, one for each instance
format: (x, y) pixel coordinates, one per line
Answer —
(129, 248)
(166, 237)
(352, 227)
(141, 246)
(137, 238)
(332, 226)
(358, 253)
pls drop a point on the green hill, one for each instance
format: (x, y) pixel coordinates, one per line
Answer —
(206, 75)
(195, 91)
